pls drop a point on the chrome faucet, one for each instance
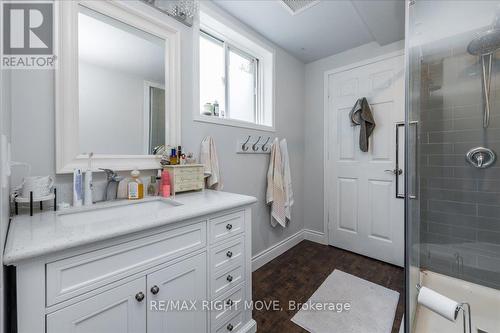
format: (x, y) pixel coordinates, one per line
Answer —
(111, 190)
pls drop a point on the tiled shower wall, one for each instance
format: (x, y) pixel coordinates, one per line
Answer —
(460, 205)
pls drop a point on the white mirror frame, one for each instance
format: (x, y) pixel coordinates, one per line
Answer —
(68, 155)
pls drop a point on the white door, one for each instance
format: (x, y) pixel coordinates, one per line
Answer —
(184, 281)
(121, 309)
(364, 214)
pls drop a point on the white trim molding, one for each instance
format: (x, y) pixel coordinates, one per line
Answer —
(68, 155)
(263, 257)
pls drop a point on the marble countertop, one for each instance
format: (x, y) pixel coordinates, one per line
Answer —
(46, 233)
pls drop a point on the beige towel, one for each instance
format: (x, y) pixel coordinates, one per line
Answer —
(275, 195)
(208, 157)
(287, 179)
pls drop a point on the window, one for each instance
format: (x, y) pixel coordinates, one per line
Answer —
(236, 73)
(228, 80)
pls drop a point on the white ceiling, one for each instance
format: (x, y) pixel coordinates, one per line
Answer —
(330, 27)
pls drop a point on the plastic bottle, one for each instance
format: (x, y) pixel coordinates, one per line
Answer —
(135, 186)
(165, 184)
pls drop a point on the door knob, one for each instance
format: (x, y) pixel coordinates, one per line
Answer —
(155, 290)
(139, 296)
(395, 171)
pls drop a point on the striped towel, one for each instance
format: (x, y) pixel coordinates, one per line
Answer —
(275, 195)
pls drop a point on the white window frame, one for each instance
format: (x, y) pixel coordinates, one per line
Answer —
(257, 109)
(220, 26)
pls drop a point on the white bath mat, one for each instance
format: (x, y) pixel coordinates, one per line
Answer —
(372, 307)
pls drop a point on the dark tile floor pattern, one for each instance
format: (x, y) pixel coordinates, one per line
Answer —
(296, 274)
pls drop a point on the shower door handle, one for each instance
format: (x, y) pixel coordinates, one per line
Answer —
(398, 171)
(412, 178)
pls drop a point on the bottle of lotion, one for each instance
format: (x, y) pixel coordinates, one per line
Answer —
(135, 186)
(165, 184)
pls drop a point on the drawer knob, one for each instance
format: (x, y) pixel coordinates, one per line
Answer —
(229, 327)
(230, 302)
(229, 226)
(139, 296)
(229, 278)
(229, 254)
(155, 290)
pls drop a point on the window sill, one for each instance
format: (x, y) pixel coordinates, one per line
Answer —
(232, 123)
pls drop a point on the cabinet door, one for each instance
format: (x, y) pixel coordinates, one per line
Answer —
(119, 310)
(178, 285)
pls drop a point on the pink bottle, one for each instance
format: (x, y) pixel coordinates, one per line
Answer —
(165, 184)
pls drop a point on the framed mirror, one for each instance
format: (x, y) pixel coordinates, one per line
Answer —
(117, 86)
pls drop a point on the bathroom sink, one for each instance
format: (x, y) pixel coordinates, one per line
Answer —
(115, 210)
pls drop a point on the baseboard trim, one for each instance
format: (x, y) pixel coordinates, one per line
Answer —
(277, 249)
(315, 236)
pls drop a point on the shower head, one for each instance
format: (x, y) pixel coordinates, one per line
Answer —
(485, 43)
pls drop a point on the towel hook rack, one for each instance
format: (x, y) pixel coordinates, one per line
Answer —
(254, 146)
(244, 146)
(264, 148)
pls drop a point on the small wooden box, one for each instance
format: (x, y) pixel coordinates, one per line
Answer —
(188, 177)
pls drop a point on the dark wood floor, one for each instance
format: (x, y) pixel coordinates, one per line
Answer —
(296, 274)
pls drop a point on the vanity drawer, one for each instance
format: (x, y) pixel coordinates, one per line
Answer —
(79, 274)
(228, 254)
(226, 226)
(233, 324)
(227, 279)
(227, 305)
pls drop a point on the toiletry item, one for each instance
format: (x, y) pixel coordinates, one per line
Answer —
(216, 108)
(87, 196)
(207, 109)
(165, 184)
(179, 154)
(135, 186)
(77, 187)
(122, 192)
(183, 159)
(173, 157)
(152, 187)
(158, 183)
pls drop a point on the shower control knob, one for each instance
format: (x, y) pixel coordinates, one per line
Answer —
(230, 327)
(229, 278)
(480, 157)
(229, 226)
(229, 254)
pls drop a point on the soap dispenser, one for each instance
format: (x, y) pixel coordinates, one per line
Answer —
(135, 186)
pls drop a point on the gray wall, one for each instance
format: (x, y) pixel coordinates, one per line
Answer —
(314, 159)
(33, 134)
(459, 204)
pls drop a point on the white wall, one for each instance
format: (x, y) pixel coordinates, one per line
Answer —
(314, 130)
(33, 133)
(111, 102)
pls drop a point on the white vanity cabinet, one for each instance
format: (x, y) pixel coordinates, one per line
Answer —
(130, 283)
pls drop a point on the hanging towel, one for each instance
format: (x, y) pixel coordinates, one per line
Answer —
(208, 157)
(361, 114)
(275, 195)
(287, 179)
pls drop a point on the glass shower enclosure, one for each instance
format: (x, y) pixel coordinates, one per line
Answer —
(452, 177)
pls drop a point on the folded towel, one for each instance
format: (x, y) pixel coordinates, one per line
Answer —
(275, 189)
(361, 114)
(287, 179)
(208, 157)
